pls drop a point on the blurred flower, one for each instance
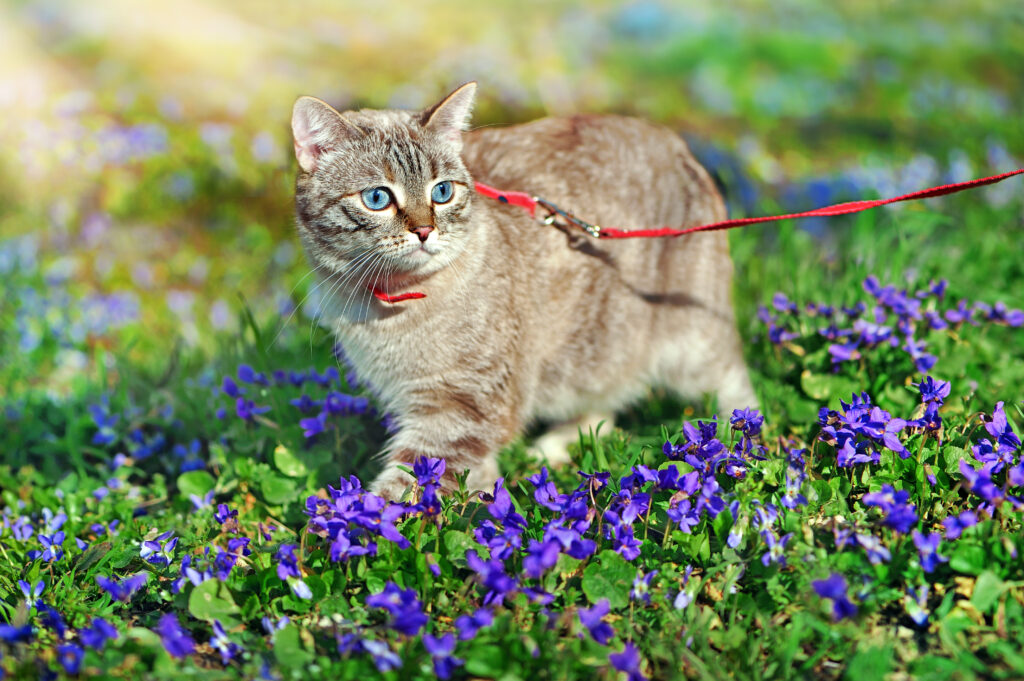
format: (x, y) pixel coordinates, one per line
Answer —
(126, 588)
(593, 620)
(928, 550)
(175, 639)
(222, 644)
(31, 592)
(405, 609)
(70, 657)
(468, 625)
(835, 589)
(628, 661)
(955, 525)
(97, 634)
(440, 650)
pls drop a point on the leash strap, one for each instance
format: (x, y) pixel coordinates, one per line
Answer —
(530, 204)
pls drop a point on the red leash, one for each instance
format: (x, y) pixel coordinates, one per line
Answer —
(530, 203)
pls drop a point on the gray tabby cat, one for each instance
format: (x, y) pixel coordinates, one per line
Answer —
(521, 321)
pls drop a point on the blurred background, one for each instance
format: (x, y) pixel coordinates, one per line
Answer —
(146, 166)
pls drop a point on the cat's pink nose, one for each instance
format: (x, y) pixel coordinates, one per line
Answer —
(423, 231)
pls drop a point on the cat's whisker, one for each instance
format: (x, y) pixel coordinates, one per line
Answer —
(372, 262)
(347, 273)
(296, 308)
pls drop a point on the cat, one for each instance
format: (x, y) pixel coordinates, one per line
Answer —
(521, 321)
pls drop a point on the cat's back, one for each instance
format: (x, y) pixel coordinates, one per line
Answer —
(609, 168)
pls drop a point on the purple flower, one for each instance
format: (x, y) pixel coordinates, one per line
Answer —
(928, 549)
(915, 603)
(468, 625)
(384, 659)
(872, 545)
(287, 562)
(835, 588)
(684, 515)
(304, 403)
(13, 634)
(642, 587)
(70, 657)
(105, 422)
(955, 525)
(224, 515)
(501, 507)
(52, 550)
(428, 470)
(776, 547)
(898, 515)
(405, 609)
(230, 388)
(441, 649)
(628, 661)
(31, 592)
(175, 639)
(932, 390)
(492, 575)
(126, 588)
(97, 635)
(749, 421)
(272, 627)
(540, 557)
(961, 314)
(161, 550)
(247, 410)
(593, 620)
(246, 374)
(315, 425)
(222, 644)
(980, 481)
(545, 492)
(999, 428)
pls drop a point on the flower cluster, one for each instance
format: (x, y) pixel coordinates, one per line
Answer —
(890, 318)
(333, 404)
(859, 431)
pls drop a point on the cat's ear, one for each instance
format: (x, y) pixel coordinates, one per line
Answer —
(450, 117)
(317, 127)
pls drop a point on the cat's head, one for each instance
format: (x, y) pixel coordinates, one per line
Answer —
(383, 196)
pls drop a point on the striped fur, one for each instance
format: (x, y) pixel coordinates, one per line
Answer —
(521, 321)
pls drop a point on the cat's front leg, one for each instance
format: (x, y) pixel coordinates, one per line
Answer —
(464, 443)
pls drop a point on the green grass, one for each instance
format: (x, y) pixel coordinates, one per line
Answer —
(227, 241)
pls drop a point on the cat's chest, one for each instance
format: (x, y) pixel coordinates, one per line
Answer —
(394, 354)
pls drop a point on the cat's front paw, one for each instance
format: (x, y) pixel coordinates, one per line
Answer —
(392, 484)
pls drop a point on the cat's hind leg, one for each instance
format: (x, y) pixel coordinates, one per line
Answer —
(708, 359)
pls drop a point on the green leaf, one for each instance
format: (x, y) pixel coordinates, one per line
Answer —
(288, 463)
(829, 387)
(952, 457)
(195, 482)
(987, 590)
(969, 559)
(211, 600)
(870, 662)
(290, 649)
(488, 661)
(722, 523)
(609, 576)
(277, 489)
(456, 544)
(822, 489)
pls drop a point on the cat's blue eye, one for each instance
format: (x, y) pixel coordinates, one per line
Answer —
(377, 198)
(442, 192)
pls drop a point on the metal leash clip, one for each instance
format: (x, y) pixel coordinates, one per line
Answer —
(554, 211)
